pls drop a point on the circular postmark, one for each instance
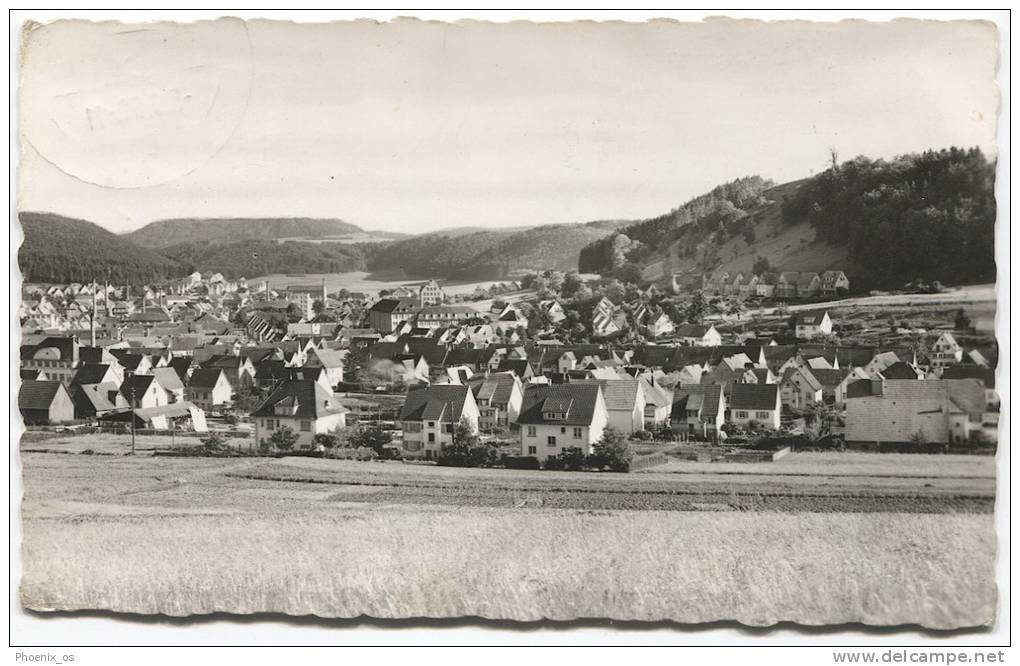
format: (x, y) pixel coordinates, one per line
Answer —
(130, 106)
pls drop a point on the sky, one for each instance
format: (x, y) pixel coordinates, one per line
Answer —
(414, 126)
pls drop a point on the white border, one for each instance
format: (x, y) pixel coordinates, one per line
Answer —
(29, 629)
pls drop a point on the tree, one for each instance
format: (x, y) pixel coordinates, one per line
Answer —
(372, 437)
(318, 307)
(213, 442)
(356, 364)
(613, 450)
(696, 308)
(962, 321)
(248, 398)
(629, 273)
(761, 265)
(283, 439)
(467, 449)
(325, 440)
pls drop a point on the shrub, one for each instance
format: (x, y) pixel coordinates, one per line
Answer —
(643, 435)
(521, 462)
(213, 442)
(325, 440)
(613, 450)
(283, 439)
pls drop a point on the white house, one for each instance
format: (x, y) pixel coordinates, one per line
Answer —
(755, 402)
(625, 403)
(945, 351)
(558, 417)
(812, 324)
(209, 388)
(302, 405)
(698, 335)
(431, 413)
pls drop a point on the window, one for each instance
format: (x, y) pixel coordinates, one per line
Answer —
(531, 431)
(532, 450)
(563, 430)
(306, 426)
(432, 424)
(762, 415)
(447, 427)
(577, 433)
(551, 440)
(432, 437)
(740, 414)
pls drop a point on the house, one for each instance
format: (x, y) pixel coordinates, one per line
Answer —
(945, 351)
(625, 402)
(387, 313)
(303, 406)
(329, 360)
(171, 382)
(97, 373)
(698, 335)
(809, 325)
(553, 310)
(658, 324)
(786, 284)
(209, 388)
(57, 356)
(239, 370)
(658, 403)
(766, 287)
(808, 285)
(431, 293)
(834, 283)
(901, 370)
(499, 399)
(45, 403)
(559, 417)
(760, 403)
(94, 400)
(441, 316)
(834, 383)
(799, 388)
(985, 375)
(937, 411)
(144, 391)
(698, 411)
(431, 413)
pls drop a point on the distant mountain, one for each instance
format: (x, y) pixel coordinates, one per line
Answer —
(250, 258)
(64, 249)
(166, 233)
(490, 254)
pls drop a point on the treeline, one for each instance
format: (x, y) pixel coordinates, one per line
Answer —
(62, 249)
(251, 258)
(714, 212)
(929, 216)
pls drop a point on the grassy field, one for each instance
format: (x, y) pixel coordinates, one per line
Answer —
(342, 539)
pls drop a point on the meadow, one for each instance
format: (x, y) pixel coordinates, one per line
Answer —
(333, 538)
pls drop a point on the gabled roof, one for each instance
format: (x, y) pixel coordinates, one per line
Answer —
(807, 374)
(984, 375)
(91, 374)
(395, 306)
(168, 378)
(309, 398)
(754, 396)
(810, 318)
(830, 378)
(36, 394)
(899, 370)
(619, 394)
(96, 395)
(438, 402)
(703, 397)
(581, 399)
(205, 377)
(967, 394)
(139, 384)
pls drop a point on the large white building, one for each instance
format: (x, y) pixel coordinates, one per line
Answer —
(558, 417)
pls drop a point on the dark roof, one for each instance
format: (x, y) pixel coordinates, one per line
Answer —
(753, 396)
(140, 384)
(519, 367)
(899, 371)
(579, 398)
(36, 394)
(395, 306)
(95, 397)
(440, 402)
(303, 398)
(705, 397)
(863, 387)
(829, 378)
(91, 374)
(810, 318)
(985, 375)
(180, 365)
(205, 377)
(495, 388)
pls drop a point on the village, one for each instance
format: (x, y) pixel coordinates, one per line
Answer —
(539, 372)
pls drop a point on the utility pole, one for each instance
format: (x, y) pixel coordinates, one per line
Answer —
(132, 419)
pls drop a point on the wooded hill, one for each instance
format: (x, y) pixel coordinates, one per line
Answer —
(886, 222)
(63, 249)
(167, 233)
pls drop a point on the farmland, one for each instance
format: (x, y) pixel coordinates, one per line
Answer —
(815, 538)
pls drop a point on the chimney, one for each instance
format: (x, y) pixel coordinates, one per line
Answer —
(92, 316)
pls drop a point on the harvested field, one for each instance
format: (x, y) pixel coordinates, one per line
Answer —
(342, 539)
